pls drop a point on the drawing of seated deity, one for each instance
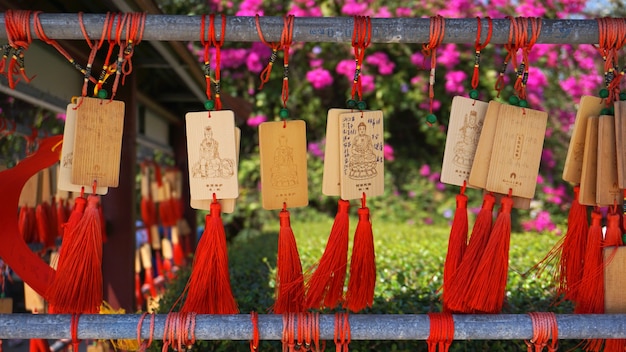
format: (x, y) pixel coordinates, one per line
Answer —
(210, 164)
(362, 161)
(465, 148)
(284, 169)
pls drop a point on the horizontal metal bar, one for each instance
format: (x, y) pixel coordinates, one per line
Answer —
(363, 327)
(317, 29)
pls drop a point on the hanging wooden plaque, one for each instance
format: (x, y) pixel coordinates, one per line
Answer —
(517, 148)
(98, 142)
(282, 146)
(614, 283)
(228, 205)
(607, 188)
(331, 179)
(620, 136)
(464, 128)
(6, 305)
(482, 157)
(32, 300)
(64, 180)
(28, 196)
(589, 170)
(362, 158)
(589, 106)
(212, 153)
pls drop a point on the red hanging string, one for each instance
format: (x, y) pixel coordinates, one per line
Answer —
(218, 54)
(535, 30)
(133, 38)
(108, 67)
(545, 328)
(206, 44)
(123, 22)
(478, 47)
(289, 339)
(436, 35)
(144, 345)
(275, 46)
(17, 23)
(612, 33)
(361, 39)
(94, 49)
(74, 331)
(342, 335)
(441, 332)
(511, 47)
(285, 43)
(254, 342)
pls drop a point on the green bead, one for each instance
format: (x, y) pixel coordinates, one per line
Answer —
(523, 103)
(622, 96)
(102, 94)
(624, 238)
(473, 94)
(604, 93)
(605, 111)
(431, 118)
(361, 105)
(283, 113)
(209, 105)
(351, 103)
(513, 100)
(612, 110)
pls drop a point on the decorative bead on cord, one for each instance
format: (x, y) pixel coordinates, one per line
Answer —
(478, 47)
(437, 32)
(94, 49)
(17, 23)
(209, 104)
(361, 39)
(285, 43)
(218, 54)
(275, 46)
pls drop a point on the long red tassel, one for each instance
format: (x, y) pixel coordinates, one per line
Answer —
(489, 283)
(39, 345)
(457, 244)
(179, 255)
(43, 225)
(208, 289)
(362, 264)
(457, 292)
(290, 281)
(26, 224)
(613, 238)
(77, 285)
(325, 287)
(52, 220)
(61, 216)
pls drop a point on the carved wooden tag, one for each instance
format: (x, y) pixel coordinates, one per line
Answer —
(29, 192)
(166, 248)
(98, 142)
(482, 157)
(517, 148)
(32, 300)
(614, 283)
(331, 179)
(146, 256)
(64, 180)
(620, 135)
(518, 202)
(464, 127)
(362, 160)
(607, 188)
(6, 305)
(589, 166)
(228, 205)
(589, 106)
(282, 148)
(212, 152)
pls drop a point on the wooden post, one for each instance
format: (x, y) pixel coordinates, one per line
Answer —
(118, 262)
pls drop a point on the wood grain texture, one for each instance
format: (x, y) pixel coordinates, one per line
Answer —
(620, 136)
(482, 157)
(614, 283)
(98, 142)
(331, 179)
(607, 188)
(589, 171)
(282, 147)
(588, 106)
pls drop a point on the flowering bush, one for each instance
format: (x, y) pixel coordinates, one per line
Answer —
(395, 79)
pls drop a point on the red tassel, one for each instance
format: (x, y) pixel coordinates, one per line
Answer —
(457, 244)
(325, 287)
(179, 255)
(362, 264)
(26, 224)
(138, 293)
(613, 236)
(290, 281)
(46, 237)
(77, 285)
(590, 296)
(208, 289)
(52, 219)
(615, 345)
(61, 217)
(457, 292)
(77, 214)
(39, 345)
(489, 282)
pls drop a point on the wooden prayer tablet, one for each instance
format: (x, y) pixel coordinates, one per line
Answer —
(589, 171)
(98, 142)
(212, 153)
(589, 106)
(620, 135)
(146, 256)
(517, 147)
(614, 283)
(282, 148)
(166, 248)
(331, 179)
(518, 202)
(6, 305)
(607, 188)
(228, 205)
(480, 165)
(466, 122)
(362, 161)
(28, 196)
(32, 300)
(64, 180)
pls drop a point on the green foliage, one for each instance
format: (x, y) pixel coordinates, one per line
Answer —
(409, 262)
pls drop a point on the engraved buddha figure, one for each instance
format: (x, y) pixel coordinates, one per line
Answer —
(210, 163)
(465, 148)
(362, 161)
(284, 169)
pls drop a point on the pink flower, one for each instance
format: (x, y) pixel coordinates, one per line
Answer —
(316, 150)
(383, 12)
(540, 179)
(448, 56)
(425, 170)
(60, 116)
(315, 63)
(254, 63)
(540, 223)
(319, 78)
(454, 82)
(380, 59)
(353, 8)
(425, 105)
(388, 152)
(256, 120)
(530, 9)
(420, 61)
(404, 12)
(367, 83)
(250, 8)
(346, 67)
